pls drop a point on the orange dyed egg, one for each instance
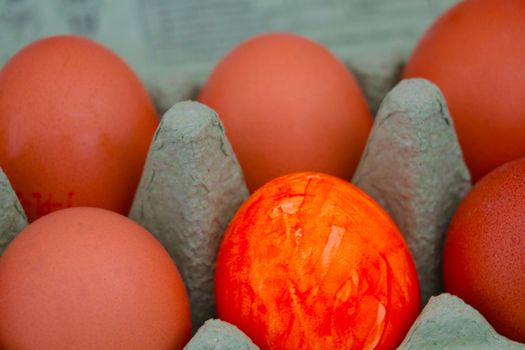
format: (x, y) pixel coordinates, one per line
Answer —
(288, 104)
(75, 126)
(86, 278)
(484, 253)
(311, 262)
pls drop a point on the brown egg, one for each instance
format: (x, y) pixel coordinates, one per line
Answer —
(474, 53)
(86, 278)
(288, 105)
(484, 252)
(75, 126)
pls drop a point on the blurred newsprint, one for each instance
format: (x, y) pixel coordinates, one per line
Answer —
(173, 44)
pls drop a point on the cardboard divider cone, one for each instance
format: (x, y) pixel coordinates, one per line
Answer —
(12, 216)
(220, 335)
(190, 189)
(413, 166)
(449, 323)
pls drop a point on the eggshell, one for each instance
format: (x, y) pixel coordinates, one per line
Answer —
(474, 53)
(75, 126)
(287, 105)
(484, 253)
(86, 278)
(311, 262)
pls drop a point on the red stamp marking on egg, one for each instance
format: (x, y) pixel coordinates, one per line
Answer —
(42, 204)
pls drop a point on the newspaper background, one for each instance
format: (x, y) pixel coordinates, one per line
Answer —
(173, 44)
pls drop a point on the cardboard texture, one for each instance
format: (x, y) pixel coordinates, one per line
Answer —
(12, 216)
(413, 166)
(376, 76)
(190, 189)
(449, 323)
(220, 335)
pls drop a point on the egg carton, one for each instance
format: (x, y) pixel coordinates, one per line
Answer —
(412, 165)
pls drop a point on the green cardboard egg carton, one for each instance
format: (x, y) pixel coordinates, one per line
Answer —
(192, 183)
